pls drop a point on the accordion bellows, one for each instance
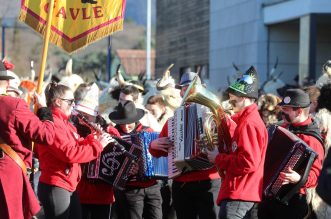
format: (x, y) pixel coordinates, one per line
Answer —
(285, 150)
(113, 165)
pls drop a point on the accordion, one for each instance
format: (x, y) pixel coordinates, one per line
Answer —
(285, 150)
(184, 128)
(113, 165)
(149, 166)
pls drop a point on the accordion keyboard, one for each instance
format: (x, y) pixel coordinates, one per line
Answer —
(290, 164)
(172, 169)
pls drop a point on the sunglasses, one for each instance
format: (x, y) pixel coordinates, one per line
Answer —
(69, 101)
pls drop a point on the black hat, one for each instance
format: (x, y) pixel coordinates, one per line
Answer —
(247, 85)
(186, 79)
(4, 73)
(295, 98)
(126, 113)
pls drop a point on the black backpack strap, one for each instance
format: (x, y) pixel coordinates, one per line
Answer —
(310, 129)
(313, 134)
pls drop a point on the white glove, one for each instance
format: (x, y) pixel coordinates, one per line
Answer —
(212, 155)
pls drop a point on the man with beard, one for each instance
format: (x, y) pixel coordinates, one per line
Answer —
(243, 163)
(295, 112)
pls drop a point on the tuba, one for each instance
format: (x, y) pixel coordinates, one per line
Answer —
(216, 130)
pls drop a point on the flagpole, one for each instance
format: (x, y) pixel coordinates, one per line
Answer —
(148, 46)
(45, 48)
(42, 68)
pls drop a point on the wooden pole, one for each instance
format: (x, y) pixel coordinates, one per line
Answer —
(42, 67)
(45, 48)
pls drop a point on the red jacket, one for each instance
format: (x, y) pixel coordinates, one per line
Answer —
(317, 165)
(18, 127)
(244, 166)
(193, 175)
(60, 161)
(97, 191)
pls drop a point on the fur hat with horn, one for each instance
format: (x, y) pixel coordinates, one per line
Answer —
(123, 83)
(326, 76)
(71, 80)
(166, 88)
(166, 80)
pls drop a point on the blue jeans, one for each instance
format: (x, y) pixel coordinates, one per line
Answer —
(234, 209)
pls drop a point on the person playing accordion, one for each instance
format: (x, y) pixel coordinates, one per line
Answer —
(194, 192)
(295, 112)
(140, 198)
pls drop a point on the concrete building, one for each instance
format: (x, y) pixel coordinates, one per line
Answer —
(253, 32)
(182, 35)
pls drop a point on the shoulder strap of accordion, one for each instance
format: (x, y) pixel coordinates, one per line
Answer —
(315, 135)
(311, 130)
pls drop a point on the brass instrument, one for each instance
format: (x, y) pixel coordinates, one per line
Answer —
(197, 93)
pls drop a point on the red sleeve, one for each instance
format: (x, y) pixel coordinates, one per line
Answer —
(248, 155)
(70, 149)
(113, 131)
(28, 124)
(317, 165)
(163, 133)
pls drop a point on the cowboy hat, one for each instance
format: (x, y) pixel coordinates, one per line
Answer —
(126, 113)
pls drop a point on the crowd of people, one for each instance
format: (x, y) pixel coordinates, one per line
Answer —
(232, 188)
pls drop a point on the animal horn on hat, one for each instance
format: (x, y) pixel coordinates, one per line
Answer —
(164, 82)
(32, 71)
(69, 68)
(48, 79)
(119, 77)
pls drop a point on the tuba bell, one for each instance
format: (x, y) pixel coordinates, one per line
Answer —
(216, 131)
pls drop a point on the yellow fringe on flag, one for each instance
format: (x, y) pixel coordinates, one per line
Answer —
(73, 34)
